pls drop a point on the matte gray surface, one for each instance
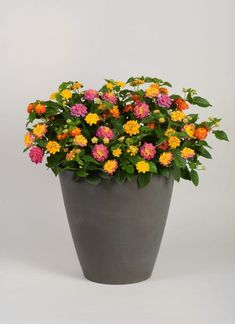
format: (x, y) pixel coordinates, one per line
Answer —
(116, 228)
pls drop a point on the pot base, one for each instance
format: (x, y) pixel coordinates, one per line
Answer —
(114, 282)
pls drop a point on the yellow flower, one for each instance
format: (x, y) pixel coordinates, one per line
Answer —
(169, 132)
(110, 166)
(120, 84)
(53, 147)
(117, 152)
(94, 140)
(174, 141)
(66, 94)
(109, 86)
(132, 150)
(39, 130)
(152, 91)
(77, 85)
(70, 156)
(28, 139)
(105, 140)
(142, 167)
(53, 95)
(189, 130)
(177, 115)
(92, 118)
(187, 153)
(165, 158)
(132, 127)
(80, 140)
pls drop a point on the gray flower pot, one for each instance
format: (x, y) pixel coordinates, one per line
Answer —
(117, 229)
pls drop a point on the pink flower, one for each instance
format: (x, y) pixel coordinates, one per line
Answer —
(164, 101)
(148, 151)
(36, 154)
(141, 110)
(110, 97)
(78, 110)
(105, 132)
(100, 152)
(90, 94)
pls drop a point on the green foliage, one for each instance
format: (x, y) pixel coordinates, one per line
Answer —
(194, 177)
(143, 179)
(220, 135)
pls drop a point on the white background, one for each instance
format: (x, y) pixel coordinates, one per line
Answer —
(189, 43)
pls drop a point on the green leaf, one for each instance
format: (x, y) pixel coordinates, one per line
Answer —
(174, 96)
(32, 116)
(161, 140)
(94, 180)
(153, 167)
(78, 160)
(143, 179)
(220, 135)
(185, 174)
(194, 177)
(203, 152)
(81, 173)
(164, 171)
(134, 159)
(26, 149)
(194, 117)
(130, 177)
(176, 172)
(203, 143)
(201, 102)
(90, 159)
(168, 84)
(120, 177)
(179, 161)
(129, 169)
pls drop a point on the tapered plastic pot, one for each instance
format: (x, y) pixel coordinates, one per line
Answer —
(116, 228)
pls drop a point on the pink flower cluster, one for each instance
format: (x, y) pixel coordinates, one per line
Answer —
(148, 151)
(36, 154)
(105, 132)
(90, 94)
(100, 152)
(78, 110)
(110, 97)
(141, 110)
(164, 101)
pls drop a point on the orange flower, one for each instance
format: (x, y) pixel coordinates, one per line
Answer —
(201, 133)
(30, 108)
(61, 136)
(115, 112)
(151, 125)
(75, 131)
(164, 90)
(135, 97)
(40, 109)
(181, 104)
(128, 108)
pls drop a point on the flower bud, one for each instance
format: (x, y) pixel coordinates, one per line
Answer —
(161, 120)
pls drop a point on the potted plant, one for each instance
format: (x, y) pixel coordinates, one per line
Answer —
(118, 151)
